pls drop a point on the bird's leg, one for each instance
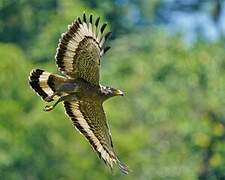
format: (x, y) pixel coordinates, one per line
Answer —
(65, 87)
(62, 98)
(51, 107)
(49, 98)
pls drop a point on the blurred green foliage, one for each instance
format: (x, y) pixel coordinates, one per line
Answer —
(170, 124)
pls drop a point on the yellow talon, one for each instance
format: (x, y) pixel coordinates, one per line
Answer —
(48, 108)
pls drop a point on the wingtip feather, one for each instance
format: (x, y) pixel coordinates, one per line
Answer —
(106, 49)
(90, 20)
(84, 17)
(103, 27)
(79, 20)
(97, 21)
(123, 167)
(107, 35)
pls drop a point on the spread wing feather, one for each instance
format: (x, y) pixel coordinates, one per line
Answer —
(80, 48)
(89, 118)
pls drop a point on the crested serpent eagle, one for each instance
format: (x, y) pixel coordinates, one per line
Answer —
(78, 58)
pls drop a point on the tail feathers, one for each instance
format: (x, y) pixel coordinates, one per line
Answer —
(44, 83)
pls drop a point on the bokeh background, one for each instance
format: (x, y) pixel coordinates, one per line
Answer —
(167, 55)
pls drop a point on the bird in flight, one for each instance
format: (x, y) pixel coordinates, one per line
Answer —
(78, 58)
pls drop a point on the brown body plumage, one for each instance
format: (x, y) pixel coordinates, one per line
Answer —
(78, 58)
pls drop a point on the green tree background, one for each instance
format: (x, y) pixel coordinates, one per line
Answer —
(170, 124)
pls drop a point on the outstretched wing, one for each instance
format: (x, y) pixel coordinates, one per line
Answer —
(89, 118)
(80, 48)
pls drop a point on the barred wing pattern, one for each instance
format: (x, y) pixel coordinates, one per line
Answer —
(80, 48)
(45, 83)
(89, 118)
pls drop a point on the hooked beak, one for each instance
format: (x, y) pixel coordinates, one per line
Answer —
(119, 92)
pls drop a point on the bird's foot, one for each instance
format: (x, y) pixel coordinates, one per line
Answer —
(48, 108)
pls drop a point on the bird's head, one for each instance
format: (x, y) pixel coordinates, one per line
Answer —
(116, 92)
(110, 92)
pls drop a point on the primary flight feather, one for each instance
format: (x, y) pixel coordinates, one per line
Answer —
(78, 58)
